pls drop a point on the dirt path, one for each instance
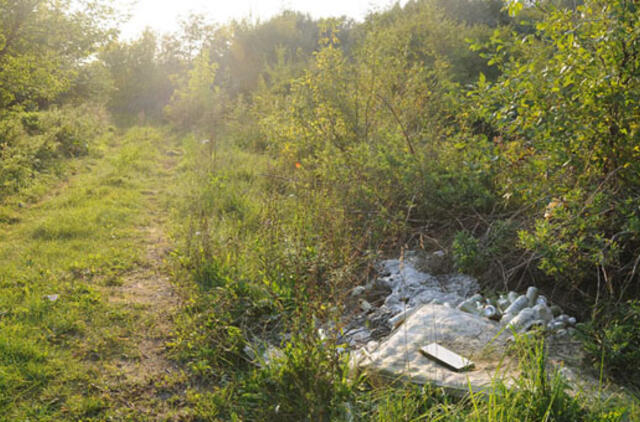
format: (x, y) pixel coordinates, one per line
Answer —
(139, 381)
(137, 378)
(134, 379)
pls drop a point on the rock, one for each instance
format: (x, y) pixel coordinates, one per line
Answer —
(512, 296)
(532, 295)
(460, 332)
(572, 321)
(542, 300)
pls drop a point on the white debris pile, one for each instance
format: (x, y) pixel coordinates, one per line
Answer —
(401, 288)
(404, 285)
(473, 338)
(521, 312)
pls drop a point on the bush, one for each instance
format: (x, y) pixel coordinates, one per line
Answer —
(308, 382)
(32, 142)
(564, 115)
(612, 339)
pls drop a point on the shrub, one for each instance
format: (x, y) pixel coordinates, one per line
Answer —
(612, 339)
(32, 142)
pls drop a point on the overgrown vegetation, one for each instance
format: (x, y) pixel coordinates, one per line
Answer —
(503, 132)
(422, 128)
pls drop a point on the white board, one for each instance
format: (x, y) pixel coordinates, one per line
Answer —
(446, 357)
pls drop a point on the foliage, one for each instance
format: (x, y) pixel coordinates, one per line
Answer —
(32, 142)
(44, 45)
(141, 72)
(507, 135)
(612, 339)
(197, 102)
(581, 171)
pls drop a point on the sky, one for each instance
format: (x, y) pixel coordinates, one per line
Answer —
(162, 15)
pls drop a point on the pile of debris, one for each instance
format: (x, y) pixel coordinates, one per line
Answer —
(404, 285)
(414, 317)
(521, 312)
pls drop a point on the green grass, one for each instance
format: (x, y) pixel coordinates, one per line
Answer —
(74, 241)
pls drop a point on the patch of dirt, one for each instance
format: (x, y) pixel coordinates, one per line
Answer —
(149, 288)
(134, 379)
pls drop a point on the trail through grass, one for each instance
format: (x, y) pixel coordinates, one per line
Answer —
(85, 297)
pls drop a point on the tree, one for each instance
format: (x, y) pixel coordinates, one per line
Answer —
(567, 109)
(44, 45)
